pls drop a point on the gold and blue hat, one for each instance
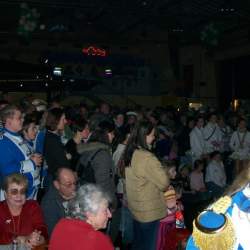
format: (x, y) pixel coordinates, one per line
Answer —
(213, 229)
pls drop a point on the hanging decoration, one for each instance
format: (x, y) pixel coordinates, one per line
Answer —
(210, 35)
(28, 20)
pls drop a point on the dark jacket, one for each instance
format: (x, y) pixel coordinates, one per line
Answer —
(54, 153)
(71, 148)
(53, 207)
(102, 164)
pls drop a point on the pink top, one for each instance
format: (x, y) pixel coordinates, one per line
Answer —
(197, 181)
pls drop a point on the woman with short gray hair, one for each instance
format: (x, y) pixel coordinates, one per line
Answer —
(88, 212)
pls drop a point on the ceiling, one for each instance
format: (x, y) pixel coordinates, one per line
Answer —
(113, 21)
(126, 20)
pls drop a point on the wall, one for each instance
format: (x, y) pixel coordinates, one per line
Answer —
(204, 79)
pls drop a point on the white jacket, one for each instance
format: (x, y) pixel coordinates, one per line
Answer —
(240, 144)
(212, 137)
(197, 142)
(215, 173)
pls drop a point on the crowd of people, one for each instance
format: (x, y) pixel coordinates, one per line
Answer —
(80, 178)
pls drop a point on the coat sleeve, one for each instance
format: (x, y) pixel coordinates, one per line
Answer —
(155, 173)
(10, 164)
(51, 213)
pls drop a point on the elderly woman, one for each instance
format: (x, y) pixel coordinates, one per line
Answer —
(21, 221)
(88, 213)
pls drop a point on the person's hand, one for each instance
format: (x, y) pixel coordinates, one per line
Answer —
(34, 239)
(37, 159)
(68, 156)
(20, 240)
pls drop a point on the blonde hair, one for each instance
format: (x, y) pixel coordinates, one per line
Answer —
(15, 178)
(240, 182)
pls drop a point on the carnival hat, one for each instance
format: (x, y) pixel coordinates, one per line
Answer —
(212, 231)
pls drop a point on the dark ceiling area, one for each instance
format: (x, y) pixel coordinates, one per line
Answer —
(109, 22)
(121, 20)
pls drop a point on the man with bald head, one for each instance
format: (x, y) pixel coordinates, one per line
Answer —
(55, 201)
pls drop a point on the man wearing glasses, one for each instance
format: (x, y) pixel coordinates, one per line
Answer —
(55, 202)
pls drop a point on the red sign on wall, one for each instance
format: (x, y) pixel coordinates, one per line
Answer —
(94, 51)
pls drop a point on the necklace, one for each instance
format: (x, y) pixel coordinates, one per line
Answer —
(16, 228)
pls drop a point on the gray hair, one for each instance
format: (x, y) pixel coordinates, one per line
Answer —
(8, 112)
(89, 198)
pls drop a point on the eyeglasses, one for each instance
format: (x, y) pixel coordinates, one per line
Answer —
(69, 185)
(16, 191)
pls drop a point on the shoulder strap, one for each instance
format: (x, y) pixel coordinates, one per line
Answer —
(206, 139)
(94, 155)
(88, 162)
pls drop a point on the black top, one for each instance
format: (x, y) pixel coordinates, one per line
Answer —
(71, 149)
(54, 153)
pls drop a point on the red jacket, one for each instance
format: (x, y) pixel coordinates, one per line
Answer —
(31, 218)
(73, 234)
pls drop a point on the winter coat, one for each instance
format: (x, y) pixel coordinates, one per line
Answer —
(102, 165)
(54, 208)
(146, 182)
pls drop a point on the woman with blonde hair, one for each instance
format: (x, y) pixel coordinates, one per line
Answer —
(21, 220)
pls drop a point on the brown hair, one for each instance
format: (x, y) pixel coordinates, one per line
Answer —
(28, 119)
(17, 178)
(53, 118)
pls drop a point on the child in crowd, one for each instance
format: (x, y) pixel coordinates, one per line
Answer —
(170, 167)
(183, 178)
(172, 232)
(197, 178)
(174, 218)
(215, 175)
(197, 183)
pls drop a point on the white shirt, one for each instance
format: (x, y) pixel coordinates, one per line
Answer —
(239, 139)
(212, 137)
(215, 173)
(197, 142)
